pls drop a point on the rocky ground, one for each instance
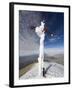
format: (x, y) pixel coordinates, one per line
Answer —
(52, 70)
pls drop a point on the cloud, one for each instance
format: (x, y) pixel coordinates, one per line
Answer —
(52, 39)
(54, 51)
(56, 38)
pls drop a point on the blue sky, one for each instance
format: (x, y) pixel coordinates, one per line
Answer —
(55, 25)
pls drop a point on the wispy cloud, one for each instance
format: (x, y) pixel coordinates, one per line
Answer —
(55, 38)
(52, 39)
(54, 51)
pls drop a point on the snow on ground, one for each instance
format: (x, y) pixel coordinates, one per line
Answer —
(52, 70)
